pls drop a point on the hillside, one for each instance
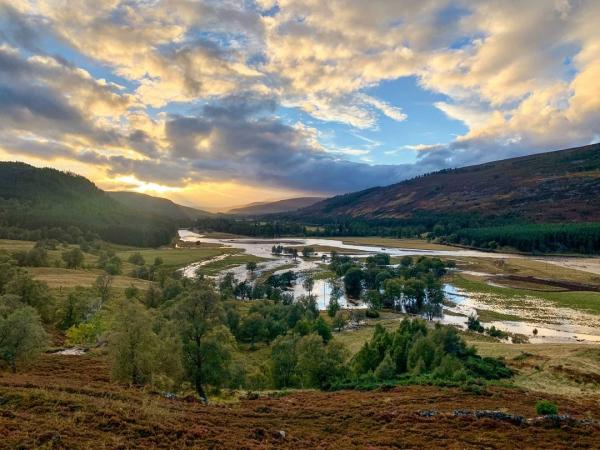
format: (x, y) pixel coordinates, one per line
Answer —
(559, 186)
(34, 201)
(69, 402)
(157, 205)
(281, 206)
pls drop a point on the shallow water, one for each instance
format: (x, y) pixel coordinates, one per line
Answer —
(553, 324)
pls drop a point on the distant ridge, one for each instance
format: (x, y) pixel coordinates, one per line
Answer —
(281, 206)
(558, 186)
(157, 205)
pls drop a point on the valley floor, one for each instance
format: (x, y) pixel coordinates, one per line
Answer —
(69, 402)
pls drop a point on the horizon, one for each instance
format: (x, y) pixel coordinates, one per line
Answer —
(219, 105)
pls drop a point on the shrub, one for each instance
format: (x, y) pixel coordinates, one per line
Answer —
(372, 313)
(473, 324)
(546, 408)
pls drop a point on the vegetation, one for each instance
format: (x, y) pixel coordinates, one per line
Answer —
(545, 408)
(48, 204)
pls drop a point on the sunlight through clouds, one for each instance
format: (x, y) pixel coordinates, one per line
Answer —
(275, 97)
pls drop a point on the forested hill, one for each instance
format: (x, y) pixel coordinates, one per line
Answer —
(555, 187)
(39, 203)
(157, 205)
(290, 204)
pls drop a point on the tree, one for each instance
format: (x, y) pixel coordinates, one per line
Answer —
(333, 307)
(308, 284)
(283, 361)
(103, 285)
(132, 344)
(200, 315)
(78, 307)
(22, 336)
(386, 370)
(251, 267)
(73, 258)
(319, 364)
(253, 328)
(473, 324)
(353, 282)
(137, 259)
(153, 296)
(372, 298)
(340, 320)
(322, 329)
(32, 292)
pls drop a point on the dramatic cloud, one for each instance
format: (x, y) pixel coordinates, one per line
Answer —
(269, 96)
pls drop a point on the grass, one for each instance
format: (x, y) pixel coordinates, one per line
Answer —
(525, 267)
(585, 301)
(58, 278)
(566, 369)
(395, 243)
(179, 257)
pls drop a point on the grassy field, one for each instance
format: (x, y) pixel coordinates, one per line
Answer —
(395, 243)
(585, 301)
(58, 278)
(179, 257)
(525, 267)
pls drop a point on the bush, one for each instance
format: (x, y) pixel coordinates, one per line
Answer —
(546, 408)
(372, 313)
(473, 324)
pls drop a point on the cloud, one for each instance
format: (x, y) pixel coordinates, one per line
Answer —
(191, 91)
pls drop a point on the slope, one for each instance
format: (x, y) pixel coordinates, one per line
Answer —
(559, 186)
(281, 206)
(52, 202)
(157, 205)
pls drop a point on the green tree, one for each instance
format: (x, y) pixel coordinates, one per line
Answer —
(77, 308)
(340, 320)
(137, 259)
(322, 329)
(132, 344)
(251, 266)
(386, 370)
(333, 307)
(353, 282)
(207, 345)
(319, 364)
(308, 284)
(32, 292)
(73, 258)
(22, 336)
(284, 361)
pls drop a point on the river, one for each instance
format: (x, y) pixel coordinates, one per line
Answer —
(553, 324)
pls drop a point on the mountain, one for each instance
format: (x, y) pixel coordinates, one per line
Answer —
(281, 206)
(553, 187)
(157, 205)
(41, 202)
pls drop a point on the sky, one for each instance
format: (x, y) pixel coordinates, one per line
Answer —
(217, 104)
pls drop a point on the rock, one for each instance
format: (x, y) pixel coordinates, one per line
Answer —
(279, 435)
(499, 415)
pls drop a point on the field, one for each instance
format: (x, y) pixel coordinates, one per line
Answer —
(179, 257)
(396, 243)
(69, 402)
